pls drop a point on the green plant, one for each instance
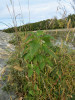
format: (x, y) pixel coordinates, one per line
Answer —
(40, 70)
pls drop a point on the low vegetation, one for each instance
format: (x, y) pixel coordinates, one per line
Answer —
(39, 70)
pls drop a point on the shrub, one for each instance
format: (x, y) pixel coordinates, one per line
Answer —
(40, 70)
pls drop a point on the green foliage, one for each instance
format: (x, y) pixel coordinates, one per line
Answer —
(9, 30)
(45, 25)
(72, 17)
(47, 70)
(62, 23)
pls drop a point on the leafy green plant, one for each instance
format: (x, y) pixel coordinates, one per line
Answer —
(40, 70)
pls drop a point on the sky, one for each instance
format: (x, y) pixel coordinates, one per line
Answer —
(36, 11)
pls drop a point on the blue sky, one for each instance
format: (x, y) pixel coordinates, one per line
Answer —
(39, 10)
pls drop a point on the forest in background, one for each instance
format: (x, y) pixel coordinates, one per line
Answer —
(46, 24)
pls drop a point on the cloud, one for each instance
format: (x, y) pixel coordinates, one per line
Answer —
(39, 10)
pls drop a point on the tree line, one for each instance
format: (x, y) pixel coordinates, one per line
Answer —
(46, 24)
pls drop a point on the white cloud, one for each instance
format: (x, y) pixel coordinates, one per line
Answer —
(39, 10)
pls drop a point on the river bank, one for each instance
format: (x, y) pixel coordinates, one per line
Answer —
(5, 51)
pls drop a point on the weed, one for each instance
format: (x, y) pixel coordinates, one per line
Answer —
(40, 70)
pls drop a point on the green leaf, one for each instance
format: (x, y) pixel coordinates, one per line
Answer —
(28, 38)
(35, 86)
(48, 51)
(45, 48)
(40, 92)
(49, 62)
(42, 65)
(24, 52)
(27, 56)
(47, 38)
(52, 53)
(31, 92)
(35, 61)
(37, 70)
(34, 46)
(39, 33)
(39, 58)
(30, 72)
